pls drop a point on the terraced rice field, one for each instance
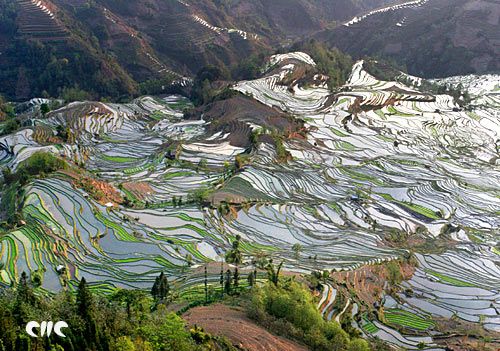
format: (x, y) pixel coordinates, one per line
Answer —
(418, 163)
(378, 157)
(407, 319)
(37, 21)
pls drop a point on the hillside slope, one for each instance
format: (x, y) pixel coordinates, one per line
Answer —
(106, 47)
(432, 38)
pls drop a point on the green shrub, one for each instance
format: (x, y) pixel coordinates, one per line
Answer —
(40, 163)
(291, 310)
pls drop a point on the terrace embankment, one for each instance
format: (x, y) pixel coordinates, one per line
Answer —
(101, 191)
(236, 115)
(233, 323)
(368, 282)
(37, 21)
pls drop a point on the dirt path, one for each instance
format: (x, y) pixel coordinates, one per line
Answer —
(233, 323)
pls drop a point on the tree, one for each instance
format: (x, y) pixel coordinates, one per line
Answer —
(161, 287)
(236, 279)
(221, 278)
(23, 343)
(227, 282)
(251, 279)
(234, 255)
(44, 109)
(23, 90)
(273, 274)
(84, 301)
(325, 275)
(130, 298)
(169, 334)
(25, 300)
(297, 248)
(123, 343)
(86, 309)
(206, 285)
(202, 164)
(394, 271)
(24, 290)
(10, 126)
(155, 290)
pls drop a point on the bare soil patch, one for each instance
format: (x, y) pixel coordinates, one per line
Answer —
(233, 323)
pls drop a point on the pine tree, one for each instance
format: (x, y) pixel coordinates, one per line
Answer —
(24, 290)
(227, 282)
(251, 279)
(206, 285)
(84, 300)
(164, 287)
(221, 280)
(85, 308)
(236, 279)
(25, 300)
(235, 257)
(155, 290)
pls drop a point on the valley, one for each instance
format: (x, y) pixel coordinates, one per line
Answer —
(376, 174)
(197, 175)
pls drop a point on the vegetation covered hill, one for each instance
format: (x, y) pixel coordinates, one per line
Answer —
(107, 48)
(433, 38)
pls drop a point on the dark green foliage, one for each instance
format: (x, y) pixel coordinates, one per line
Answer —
(227, 282)
(234, 256)
(204, 87)
(221, 277)
(205, 282)
(273, 273)
(383, 69)
(6, 109)
(38, 164)
(249, 68)
(156, 86)
(44, 109)
(132, 299)
(200, 196)
(161, 287)
(10, 126)
(8, 15)
(331, 62)
(8, 115)
(236, 279)
(122, 321)
(84, 301)
(251, 278)
(74, 94)
(69, 70)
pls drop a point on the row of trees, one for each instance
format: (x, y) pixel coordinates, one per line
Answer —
(127, 320)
